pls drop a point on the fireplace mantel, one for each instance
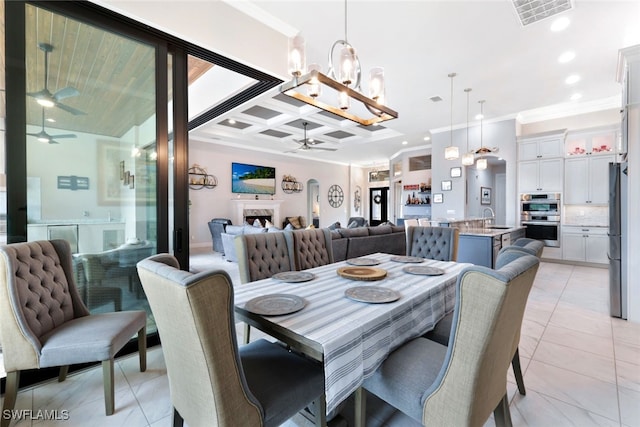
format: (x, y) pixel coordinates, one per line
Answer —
(242, 204)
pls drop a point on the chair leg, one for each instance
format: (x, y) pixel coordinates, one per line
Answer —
(517, 372)
(501, 414)
(321, 411)
(142, 348)
(247, 332)
(178, 421)
(360, 407)
(62, 375)
(10, 395)
(109, 393)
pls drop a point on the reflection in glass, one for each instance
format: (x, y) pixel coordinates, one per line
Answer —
(91, 162)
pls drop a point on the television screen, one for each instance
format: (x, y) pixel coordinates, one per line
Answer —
(252, 179)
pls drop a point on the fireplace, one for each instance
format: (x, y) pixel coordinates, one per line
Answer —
(249, 210)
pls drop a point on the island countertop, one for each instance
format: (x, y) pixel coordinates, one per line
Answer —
(491, 231)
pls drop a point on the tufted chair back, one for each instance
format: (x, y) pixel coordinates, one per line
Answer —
(532, 246)
(309, 248)
(262, 255)
(40, 294)
(438, 243)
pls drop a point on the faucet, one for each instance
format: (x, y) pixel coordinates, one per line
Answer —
(493, 215)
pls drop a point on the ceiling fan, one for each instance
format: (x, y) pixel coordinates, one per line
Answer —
(44, 137)
(308, 144)
(47, 99)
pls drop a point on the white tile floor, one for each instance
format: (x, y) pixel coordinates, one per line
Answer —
(581, 367)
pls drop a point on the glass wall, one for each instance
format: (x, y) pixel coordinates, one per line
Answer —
(91, 152)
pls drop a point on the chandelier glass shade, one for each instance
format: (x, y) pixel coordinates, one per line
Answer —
(339, 90)
(481, 164)
(451, 152)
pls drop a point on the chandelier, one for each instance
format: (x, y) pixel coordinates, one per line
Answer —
(451, 152)
(343, 93)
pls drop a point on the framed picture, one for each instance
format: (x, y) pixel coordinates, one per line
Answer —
(485, 195)
(456, 172)
(122, 170)
(437, 198)
(445, 185)
(132, 181)
(125, 181)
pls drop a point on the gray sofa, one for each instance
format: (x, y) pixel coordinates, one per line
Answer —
(232, 231)
(355, 242)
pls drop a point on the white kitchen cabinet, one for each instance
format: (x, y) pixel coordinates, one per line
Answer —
(594, 142)
(547, 146)
(587, 180)
(540, 175)
(585, 244)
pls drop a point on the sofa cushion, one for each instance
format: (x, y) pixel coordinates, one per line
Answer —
(398, 229)
(334, 226)
(381, 229)
(354, 232)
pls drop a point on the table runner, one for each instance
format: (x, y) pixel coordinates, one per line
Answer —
(356, 337)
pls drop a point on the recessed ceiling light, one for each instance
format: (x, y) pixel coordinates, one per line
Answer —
(427, 138)
(479, 116)
(573, 78)
(576, 96)
(231, 121)
(567, 57)
(405, 142)
(50, 120)
(560, 24)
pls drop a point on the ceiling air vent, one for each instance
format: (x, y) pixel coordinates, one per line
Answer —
(530, 11)
(436, 98)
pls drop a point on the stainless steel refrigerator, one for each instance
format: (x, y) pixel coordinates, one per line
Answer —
(618, 239)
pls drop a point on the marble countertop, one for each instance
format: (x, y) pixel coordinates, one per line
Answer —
(490, 232)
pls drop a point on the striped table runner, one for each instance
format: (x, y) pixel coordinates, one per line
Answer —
(356, 337)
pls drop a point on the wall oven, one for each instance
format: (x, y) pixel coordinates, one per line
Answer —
(540, 214)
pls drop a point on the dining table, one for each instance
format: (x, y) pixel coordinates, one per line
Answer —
(351, 315)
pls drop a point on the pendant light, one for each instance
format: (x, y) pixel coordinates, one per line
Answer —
(468, 158)
(451, 152)
(481, 164)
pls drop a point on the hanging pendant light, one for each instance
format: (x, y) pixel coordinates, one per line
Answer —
(451, 152)
(481, 164)
(343, 93)
(468, 158)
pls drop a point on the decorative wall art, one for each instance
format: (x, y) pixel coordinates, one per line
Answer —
(456, 172)
(336, 196)
(437, 198)
(485, 195)
(73, 183)
(445, 186)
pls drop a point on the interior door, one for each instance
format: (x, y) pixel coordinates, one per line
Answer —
(378, 205)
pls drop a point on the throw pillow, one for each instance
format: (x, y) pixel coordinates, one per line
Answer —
(257, 223)
(289, 227)
(310, 226)
(334, 226)
(294, 221)
(352, 224)
(268, 224)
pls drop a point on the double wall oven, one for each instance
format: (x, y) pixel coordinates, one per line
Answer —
(540, 213)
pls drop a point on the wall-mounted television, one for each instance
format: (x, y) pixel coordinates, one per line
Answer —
(253, 179)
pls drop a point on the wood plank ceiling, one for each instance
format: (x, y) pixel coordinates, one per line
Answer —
(114, 75)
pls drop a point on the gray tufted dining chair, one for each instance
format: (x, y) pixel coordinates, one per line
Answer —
(438, 243)
(309, 248)
(461, 384)
(212, 381)
(531, 246)
(44, 323)
(260, 256)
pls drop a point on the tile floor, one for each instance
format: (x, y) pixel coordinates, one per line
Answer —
(581, 367)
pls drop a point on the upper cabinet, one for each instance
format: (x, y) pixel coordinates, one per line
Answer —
(547, 146)
(541, 162)
(587, 180)
(592, 142)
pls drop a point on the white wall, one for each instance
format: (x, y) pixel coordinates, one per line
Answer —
(499, 134)
(215, 203)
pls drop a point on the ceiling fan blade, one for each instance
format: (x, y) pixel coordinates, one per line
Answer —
(41, 94)
(66, 92)
(324, 149)
(51, 141)
(65, 135)
(71, 110)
